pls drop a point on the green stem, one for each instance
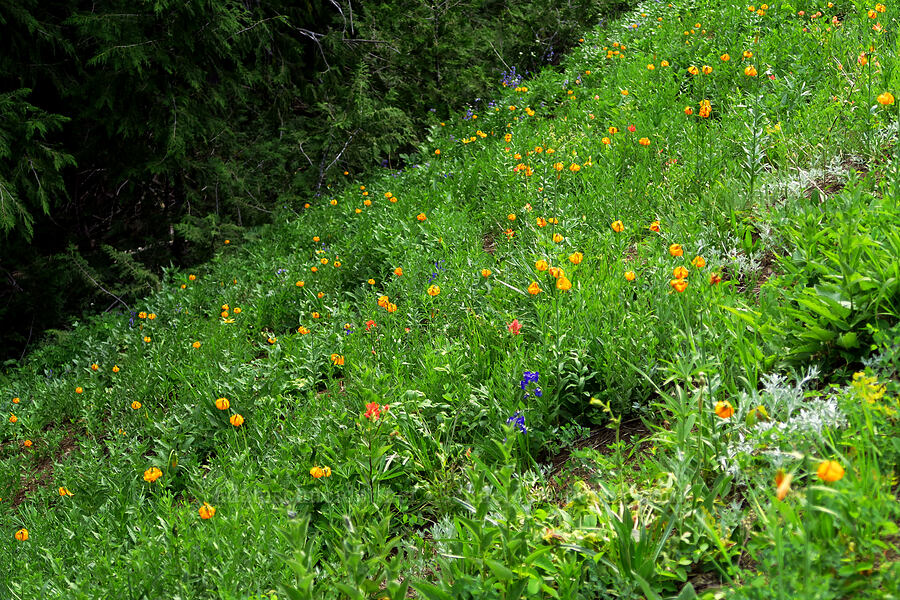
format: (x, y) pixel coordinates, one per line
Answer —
(869, 116)
(896, 152)
(555, 294)
(699, 155)
(371, 476)
(619, 462)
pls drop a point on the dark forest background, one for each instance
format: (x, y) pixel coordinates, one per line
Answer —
(142, 133)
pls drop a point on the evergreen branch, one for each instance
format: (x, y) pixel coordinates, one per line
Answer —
(96, 17)
(359, 41)
(123, 46)
(99, 58)
(248, 205)
(94, 281)
(131, 268)
(246, 29)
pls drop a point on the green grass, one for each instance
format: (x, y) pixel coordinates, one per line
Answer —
(787, 191)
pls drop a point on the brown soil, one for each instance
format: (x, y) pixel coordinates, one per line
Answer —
(764, 273)
(41, 473)
(488, 243)
(829, 184)
(601, 438)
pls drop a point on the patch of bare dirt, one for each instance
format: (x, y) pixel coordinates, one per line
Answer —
(831, 183)
(765, 272)
(41, 472)
(489, 243)
(601, 438)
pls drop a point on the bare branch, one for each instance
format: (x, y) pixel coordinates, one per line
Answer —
(28, 341)
(350, 7)
(304, 154)
(336, 158)
(314, 37)
(515, 289)
(34, 172)
(338, 6)
(175, 124)
(500, 57)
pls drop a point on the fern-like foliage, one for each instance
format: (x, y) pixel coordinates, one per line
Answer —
(30, 166)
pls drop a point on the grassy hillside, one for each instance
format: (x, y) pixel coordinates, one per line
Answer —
(628, 330)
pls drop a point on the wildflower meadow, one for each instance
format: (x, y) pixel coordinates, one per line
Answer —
(627, 329)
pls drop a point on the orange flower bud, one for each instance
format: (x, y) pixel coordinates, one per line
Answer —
(782, 484)
(679, 285)
(723, 409)
(830, 471)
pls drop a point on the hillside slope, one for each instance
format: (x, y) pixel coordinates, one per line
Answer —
(692, 224)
